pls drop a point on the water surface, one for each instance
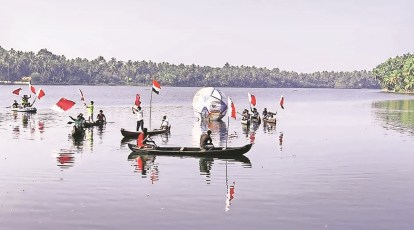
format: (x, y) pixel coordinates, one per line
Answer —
(337, 159)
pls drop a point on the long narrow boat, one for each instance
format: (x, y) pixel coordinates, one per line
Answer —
(193, 151)
(134, 134)
(25, 109)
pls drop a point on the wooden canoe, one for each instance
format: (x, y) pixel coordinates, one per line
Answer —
(134, 134)
(193, 151)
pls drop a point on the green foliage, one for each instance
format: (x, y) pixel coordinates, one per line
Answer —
(47, 68)
(397, 74)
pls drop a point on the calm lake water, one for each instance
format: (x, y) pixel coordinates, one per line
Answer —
(337, 159)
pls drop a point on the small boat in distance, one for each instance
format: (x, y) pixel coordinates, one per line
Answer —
(193, 151)
(134, 134)
(24, 109)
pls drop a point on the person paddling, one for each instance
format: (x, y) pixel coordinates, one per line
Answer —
(206, 143)
(143, 139)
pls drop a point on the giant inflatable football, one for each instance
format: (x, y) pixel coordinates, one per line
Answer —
(209, 104)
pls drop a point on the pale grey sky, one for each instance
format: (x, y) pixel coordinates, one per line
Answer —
(298, 35)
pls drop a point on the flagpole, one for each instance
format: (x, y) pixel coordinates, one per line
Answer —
(150, 109)
(227, 135)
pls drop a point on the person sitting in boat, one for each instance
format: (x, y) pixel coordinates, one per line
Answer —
(264, 113)
(79, 121)
(100, 118)
(245, 115)
(15, 104)
(25, 101)
(206, 143)
(144, 139)
(164, 123)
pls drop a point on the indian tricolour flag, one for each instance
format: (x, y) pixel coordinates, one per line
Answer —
(156, 87)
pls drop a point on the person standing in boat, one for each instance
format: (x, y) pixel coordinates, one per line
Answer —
(164, 123)
(140, 117)
(255, 114)
(206, 143)
(90, 108)
(25, 101)
(101, 117)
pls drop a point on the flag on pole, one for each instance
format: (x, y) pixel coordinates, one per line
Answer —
(40, 93)
(232, 108)
(281, 102)
(156, 87)
(252, 99)
(138, 100)
(17, 91)
(81, 93)
(63, 105)
(32, 88)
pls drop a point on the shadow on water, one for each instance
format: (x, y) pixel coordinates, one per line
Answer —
(396, 115)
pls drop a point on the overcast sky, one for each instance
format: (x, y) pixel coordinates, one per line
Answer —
(298, 35)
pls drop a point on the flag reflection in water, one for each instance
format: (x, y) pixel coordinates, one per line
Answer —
(65, 158)
(229, 195)
(145, 164)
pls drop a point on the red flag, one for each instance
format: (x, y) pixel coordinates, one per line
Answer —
(63, 105)
(17, 91)
(32, 88)
(156, 87)
(40, 93)
(232, 108)
(138, 100)
(282, 101)
(252, 99)
(82, 98)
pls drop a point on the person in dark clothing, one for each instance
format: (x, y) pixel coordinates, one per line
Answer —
(206, 143)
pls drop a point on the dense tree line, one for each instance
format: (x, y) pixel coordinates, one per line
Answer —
(45, 67)
(397, 74)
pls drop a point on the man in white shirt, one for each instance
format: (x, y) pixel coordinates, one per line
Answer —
(164, 123)
(140, 117)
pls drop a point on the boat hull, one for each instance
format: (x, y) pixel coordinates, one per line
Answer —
(134, 134)
(193, 151)
(25, 110)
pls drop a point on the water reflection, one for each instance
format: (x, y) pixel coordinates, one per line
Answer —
(26, 123)
(146, 163)
(65, 158)
(396, 115)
